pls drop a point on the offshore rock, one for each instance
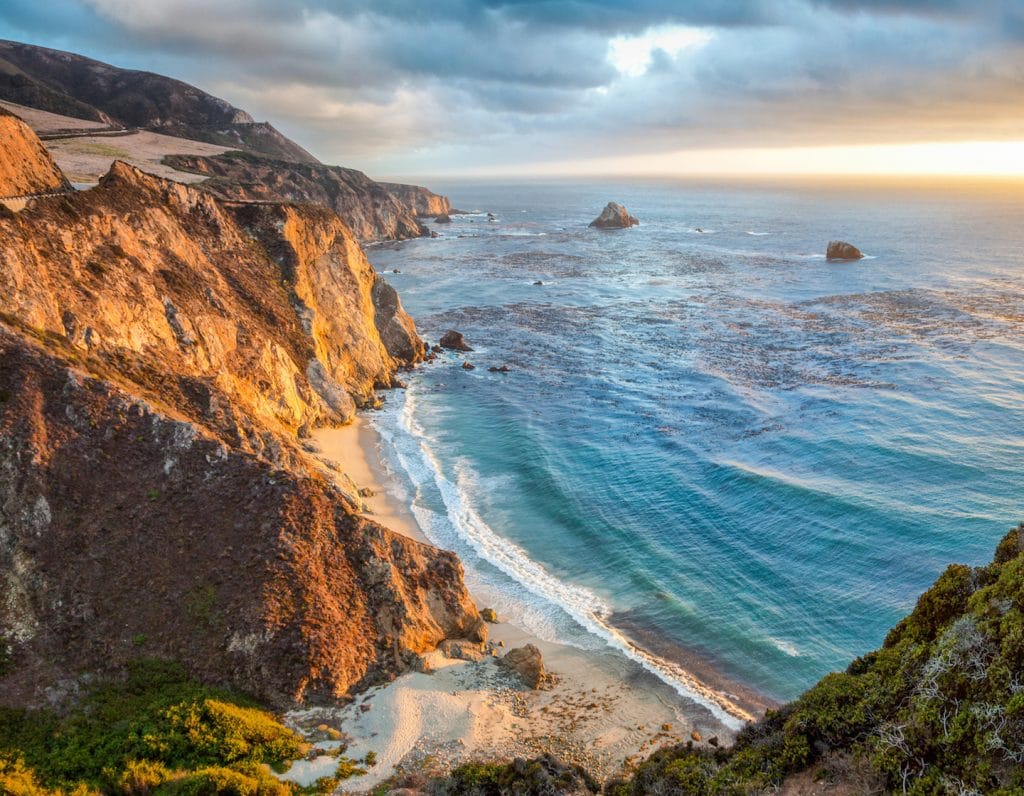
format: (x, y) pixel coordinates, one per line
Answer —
(841, 250)
(614, 216)
(443, 218)
(454, 341)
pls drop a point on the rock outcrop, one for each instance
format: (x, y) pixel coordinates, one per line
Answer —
(423, 202)
(25, 165)
(161, 354)
(527, 663)
(270, 305)
(454, 341)
(371, 211)
(614, 216)
(443, 218)
(131, 530)
(841, 250)
(73, 85)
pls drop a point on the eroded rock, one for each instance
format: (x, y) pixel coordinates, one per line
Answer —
(841, 250)
(527, 663)
(614, 216)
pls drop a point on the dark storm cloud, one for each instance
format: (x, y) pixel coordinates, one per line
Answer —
(406, 84)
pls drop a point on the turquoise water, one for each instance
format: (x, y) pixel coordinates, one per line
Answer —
(716, 442)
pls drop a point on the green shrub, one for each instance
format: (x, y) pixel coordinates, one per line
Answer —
(154, 728)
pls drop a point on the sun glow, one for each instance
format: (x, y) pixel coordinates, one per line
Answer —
(632, 55)
(960, 158)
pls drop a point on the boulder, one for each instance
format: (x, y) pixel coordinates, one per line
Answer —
(496, 369)
(489, 615)
(462, 650)
(614, 216)
(841, 250)
(444, 218)
(468, 366)
(478, 632)
(526, 662)
(455, 341)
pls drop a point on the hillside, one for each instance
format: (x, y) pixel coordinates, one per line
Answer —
(162, 355)
(72, 85)
(938, 709)
(371, 210)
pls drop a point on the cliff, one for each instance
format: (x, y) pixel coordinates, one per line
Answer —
(424, 203)
(25, 165)
(72, 85)
(371, 209)
(161, 355)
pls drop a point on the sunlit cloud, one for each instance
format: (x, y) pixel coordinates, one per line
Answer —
(633, 55)
(477, 86)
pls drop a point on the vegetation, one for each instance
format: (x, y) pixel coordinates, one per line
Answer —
(157, 732)
(938, 709)
(541, 775)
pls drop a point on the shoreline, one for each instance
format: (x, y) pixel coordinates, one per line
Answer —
(603, 711)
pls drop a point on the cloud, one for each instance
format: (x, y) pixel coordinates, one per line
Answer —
(413, 86)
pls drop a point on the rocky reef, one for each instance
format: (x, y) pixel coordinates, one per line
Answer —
(162, 354)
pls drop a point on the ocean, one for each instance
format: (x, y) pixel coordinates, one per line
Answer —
(715, 451)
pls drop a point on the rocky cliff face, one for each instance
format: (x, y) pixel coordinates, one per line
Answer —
(425, 203)
(73, 85)
(371, 210)
(161, 355)
(25, 165)
(270, 305)
(128, 530)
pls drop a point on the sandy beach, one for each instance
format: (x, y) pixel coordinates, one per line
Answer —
(601, 709)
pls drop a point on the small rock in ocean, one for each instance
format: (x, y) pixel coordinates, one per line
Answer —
(489, 614)
(495, 369)
(468, 366)
(365, 708)
(841, 250)
(396, 271)
(434, 234)
(455, 341)
(614, 216)
(444, 218)
(538, 282)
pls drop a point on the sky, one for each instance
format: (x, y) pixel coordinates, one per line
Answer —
(588, 87)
